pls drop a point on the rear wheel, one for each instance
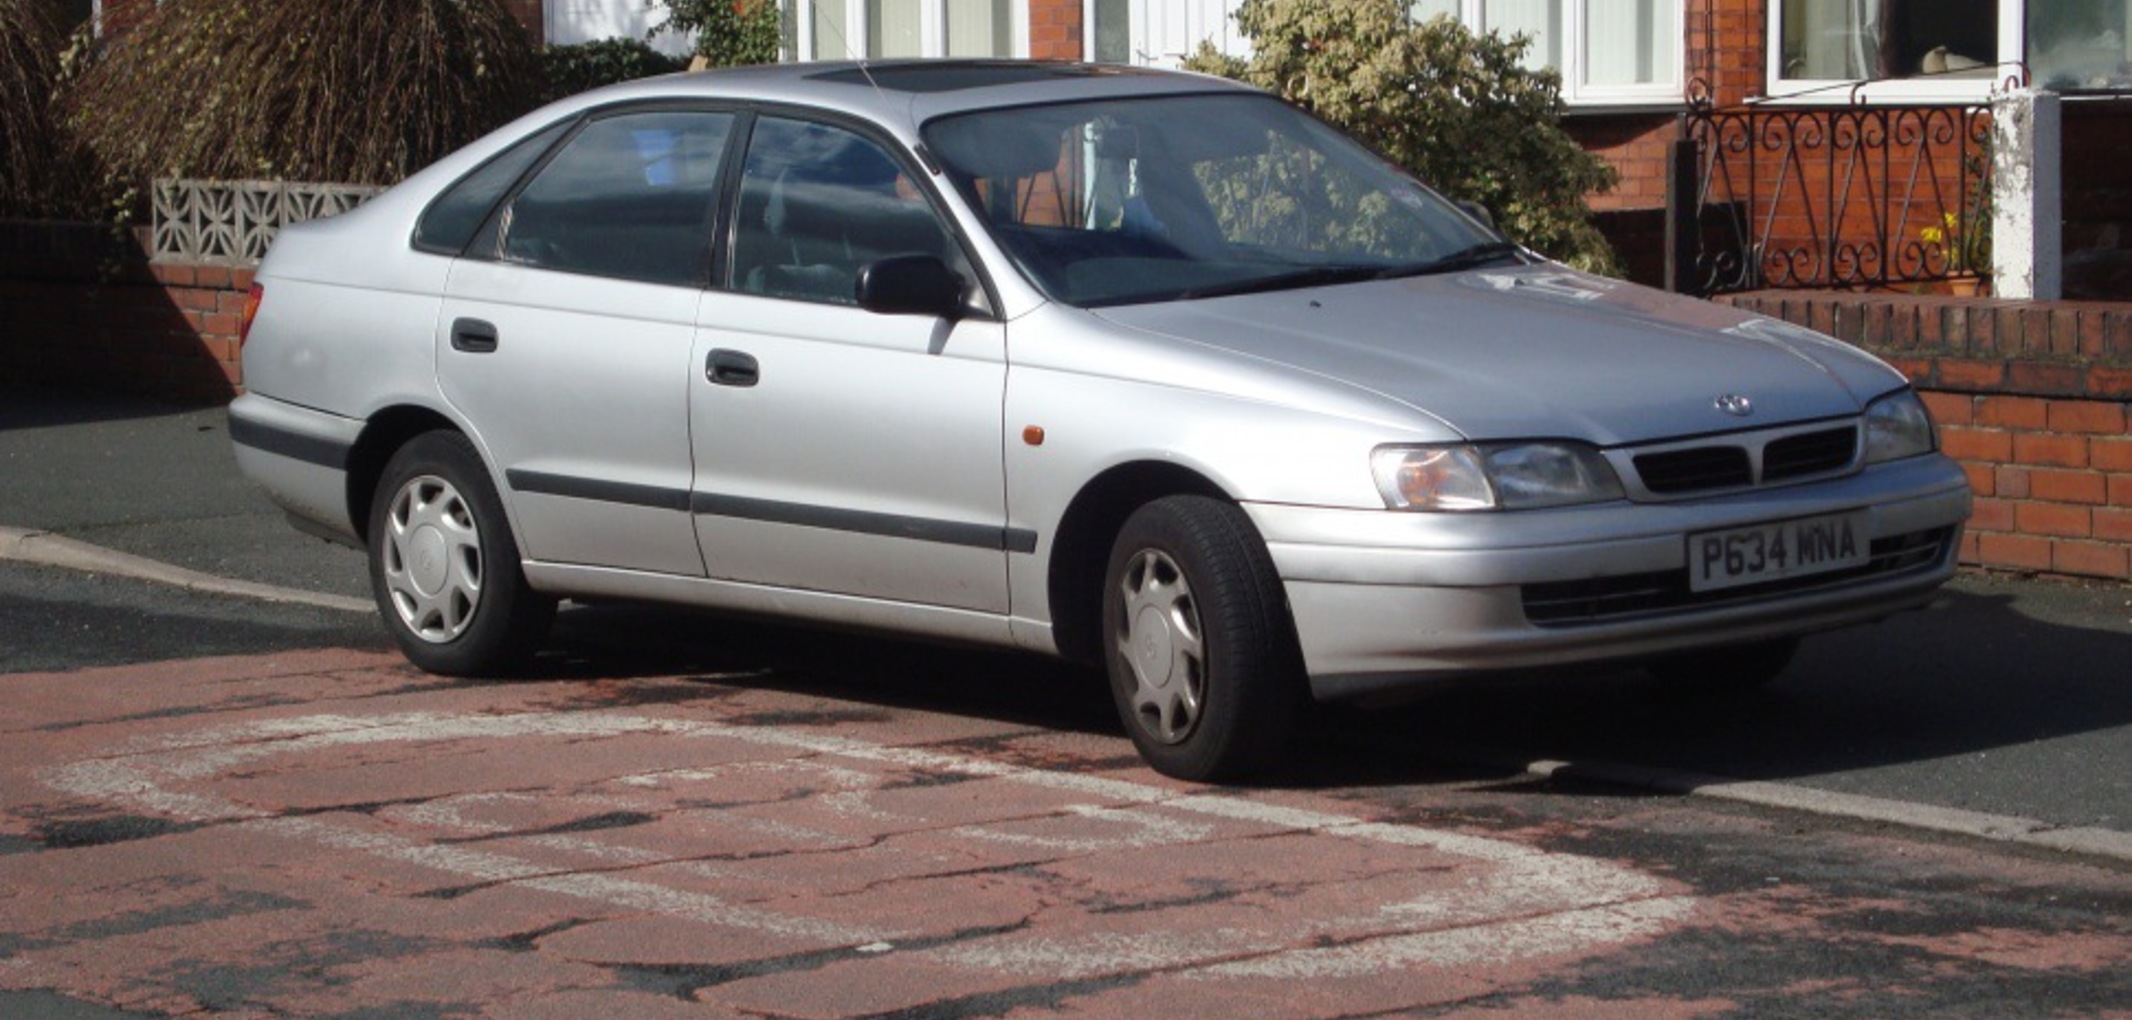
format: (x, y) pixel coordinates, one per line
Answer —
(1733, 669)
(443, 566)
(1201, 652)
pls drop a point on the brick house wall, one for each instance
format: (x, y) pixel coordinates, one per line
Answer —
(1055, 29)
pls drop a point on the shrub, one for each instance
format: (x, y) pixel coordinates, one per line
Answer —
(729, 33)
(574, 69)
(40, 174)
(307, 90)
(1457, 109)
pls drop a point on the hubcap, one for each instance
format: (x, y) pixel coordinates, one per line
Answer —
(432, 559)
(1159, 638)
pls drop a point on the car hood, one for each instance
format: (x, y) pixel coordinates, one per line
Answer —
(1536, 352)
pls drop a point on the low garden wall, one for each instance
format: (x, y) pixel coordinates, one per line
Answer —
(2033, 398)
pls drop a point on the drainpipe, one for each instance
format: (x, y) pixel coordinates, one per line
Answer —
(2027, 197)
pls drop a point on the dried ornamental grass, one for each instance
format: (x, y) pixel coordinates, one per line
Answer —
(305, 90)
(29, 64)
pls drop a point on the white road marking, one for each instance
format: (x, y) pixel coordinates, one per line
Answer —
(1519, 901)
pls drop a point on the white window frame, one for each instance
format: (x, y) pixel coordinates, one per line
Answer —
(1574, 91)
(933, 30)
(2013, 39)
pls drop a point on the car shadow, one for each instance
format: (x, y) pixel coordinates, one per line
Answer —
(2001, 697)
(1991, 668)
(626, 640)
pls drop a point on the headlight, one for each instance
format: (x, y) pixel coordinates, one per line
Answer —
(1897, 426)
(1514, 476)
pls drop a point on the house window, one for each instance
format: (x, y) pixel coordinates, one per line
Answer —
(884, 29)
(2080, 44)
(1609, 52)
(1894, 49)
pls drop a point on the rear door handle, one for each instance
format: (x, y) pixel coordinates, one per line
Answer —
(474, 336)
(732, 368)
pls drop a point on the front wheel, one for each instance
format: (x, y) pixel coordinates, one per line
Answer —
(443, 566)
(1201, 651)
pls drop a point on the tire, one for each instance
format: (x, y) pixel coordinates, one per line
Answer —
(444, 568)
(1730, 670)
(1202, 654)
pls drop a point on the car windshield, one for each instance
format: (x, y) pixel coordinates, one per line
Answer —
(1176, 197)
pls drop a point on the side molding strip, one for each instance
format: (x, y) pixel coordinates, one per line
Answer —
(922, 529)
(863, 522)
(329, 453)
(626, 493)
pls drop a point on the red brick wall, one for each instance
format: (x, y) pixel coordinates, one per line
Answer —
(1635, 145)
(172, 334)
(1727, 48)
(1055, 29)
(2033, 399)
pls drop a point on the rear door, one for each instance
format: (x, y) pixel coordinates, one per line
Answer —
(567, 332)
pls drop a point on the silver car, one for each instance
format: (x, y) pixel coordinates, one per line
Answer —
(1130, 367)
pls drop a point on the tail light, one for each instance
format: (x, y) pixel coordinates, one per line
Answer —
(251, 311)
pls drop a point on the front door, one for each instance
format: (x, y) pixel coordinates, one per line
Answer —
(838, 450)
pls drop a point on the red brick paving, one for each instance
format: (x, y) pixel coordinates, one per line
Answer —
(326, 833)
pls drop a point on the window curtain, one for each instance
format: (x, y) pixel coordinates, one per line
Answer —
(980, 28)
(1629, 42)
(894, 28)
(1540, 19)
(1841, 40)
(830, 40)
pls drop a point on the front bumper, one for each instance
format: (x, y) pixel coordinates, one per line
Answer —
(1382, 599)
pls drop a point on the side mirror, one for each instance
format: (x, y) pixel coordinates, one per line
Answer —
(1479, 212)
(910, 285)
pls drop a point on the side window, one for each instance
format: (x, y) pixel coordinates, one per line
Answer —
(629, 197)
(817, 204)
(451, 221)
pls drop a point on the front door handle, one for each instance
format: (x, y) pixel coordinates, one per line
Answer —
(732, 368)
(473, 336)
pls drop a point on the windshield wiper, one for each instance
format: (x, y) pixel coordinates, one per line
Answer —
(1313, 276)
(1463, 259)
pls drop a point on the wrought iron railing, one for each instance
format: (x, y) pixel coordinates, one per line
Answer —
(1856, 196)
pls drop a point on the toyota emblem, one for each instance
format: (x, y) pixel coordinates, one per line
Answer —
(1735, 405)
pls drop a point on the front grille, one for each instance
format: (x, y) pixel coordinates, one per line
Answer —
(1629, 596)
(1742, 460)
(1809, 453)
(1697, 470)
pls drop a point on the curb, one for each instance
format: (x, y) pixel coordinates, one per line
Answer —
(2106, 844)
(53, 550)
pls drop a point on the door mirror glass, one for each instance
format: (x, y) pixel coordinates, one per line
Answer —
(910, 285)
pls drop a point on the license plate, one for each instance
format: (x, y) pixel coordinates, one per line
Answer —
(1772, 552)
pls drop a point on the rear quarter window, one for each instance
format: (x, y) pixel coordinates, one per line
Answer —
(454, 217)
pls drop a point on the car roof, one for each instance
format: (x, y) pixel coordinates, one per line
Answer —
(907, 93)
